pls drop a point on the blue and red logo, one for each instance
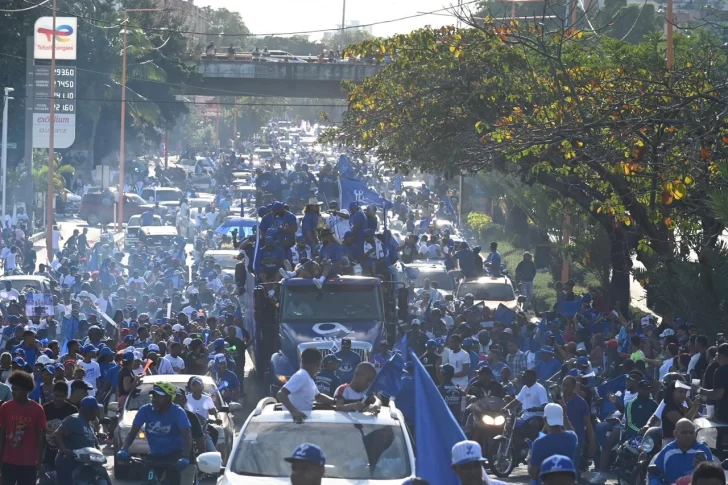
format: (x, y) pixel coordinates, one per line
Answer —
(63, 33)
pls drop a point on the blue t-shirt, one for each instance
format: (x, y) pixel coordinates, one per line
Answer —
(275, 252)
(280, 221)
(474, 360)
(327, 382)
(309, 222)
(332, 252)
(358, 222)
(164, 430)
(230, 377)
(577, 409)
(545, 369)
(467, 262)
(349, 361)
(266, 222)
(545, 446)
(494, 258)
(113, 377)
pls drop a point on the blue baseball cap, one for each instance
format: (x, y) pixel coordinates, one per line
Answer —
(129, 339)
(220, 342)
(431, 344)
(574, 372)
(276, 206)
(557, 464)
(269, 240)
(59, 366)
(89, 402)
(19, 351)
(354, 206)
(49, 369)
(220, 358)
(262, 211)
(106, 351)
(308, 452)
(19, 361)
(88, 348)
(128, 357)
(582, 361)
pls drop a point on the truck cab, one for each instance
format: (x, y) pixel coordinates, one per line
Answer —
(362, 309)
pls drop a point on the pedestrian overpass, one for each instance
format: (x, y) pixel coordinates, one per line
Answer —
(228, 77)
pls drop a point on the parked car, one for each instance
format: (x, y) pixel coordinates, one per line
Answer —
(490, 290)
(98, 207)
(155, 237)
(361, 448)
(20, 282)
(168, 197)
(139, 396)
(131, 233)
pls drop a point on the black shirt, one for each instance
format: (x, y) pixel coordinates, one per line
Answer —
(708, 378)
(429, 362)
(123, 373)
(491, 389)
(701, 366)
(192, 366)
(668, 427)
(54, 417)
(13, 342)
(196, 432)
(720, 381)
(239, 353)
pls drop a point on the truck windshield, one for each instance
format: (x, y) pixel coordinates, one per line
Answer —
(335, 303)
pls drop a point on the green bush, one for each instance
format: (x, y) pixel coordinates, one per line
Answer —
(479, 222)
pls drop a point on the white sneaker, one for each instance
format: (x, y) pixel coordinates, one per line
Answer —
(598, 478)
(317, 282)
(285, 273)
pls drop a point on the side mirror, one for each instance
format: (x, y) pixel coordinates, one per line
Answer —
(113, 407)
(522, 299)
(235, 407)
(210, 463)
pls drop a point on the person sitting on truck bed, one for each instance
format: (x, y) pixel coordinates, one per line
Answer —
(316, 270)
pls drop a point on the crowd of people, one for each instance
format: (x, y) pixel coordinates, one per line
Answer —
(110, 316)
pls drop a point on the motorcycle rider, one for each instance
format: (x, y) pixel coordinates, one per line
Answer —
(76, 432)
(168, 432)
(677, 459)
(187, 477)
(533, 398)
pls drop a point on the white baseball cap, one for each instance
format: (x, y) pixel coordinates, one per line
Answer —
(553, 414)
(466, 452)
(177, 327)
(667, 332)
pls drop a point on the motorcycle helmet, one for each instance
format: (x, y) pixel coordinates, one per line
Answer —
(448, 371)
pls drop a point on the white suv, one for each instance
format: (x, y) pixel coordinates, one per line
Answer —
(360, 448)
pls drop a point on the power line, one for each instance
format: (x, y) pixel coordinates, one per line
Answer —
(274, 34)
(27, 8)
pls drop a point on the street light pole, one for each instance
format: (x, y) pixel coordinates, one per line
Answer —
(6, 100)
(670, 53)
(120, 202)
(343, 25)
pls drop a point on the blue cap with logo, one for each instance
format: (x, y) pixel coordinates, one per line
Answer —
(89, 402)
(308, 452)
(557, 464)
(466, 452)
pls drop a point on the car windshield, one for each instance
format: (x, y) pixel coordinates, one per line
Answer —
(20, 285)
(136, 221)
(140, 395)
(167, 195)
(335, 303)
(134, 198)
(353, 451)
(487, 291)
(444, 282)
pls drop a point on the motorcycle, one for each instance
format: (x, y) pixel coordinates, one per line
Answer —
(512, 450)
(90, 471)
(650, 446)
(626, 460)
(484, 422)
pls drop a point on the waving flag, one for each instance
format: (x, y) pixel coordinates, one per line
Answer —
(618, 384)
(434, 423)
(344, 165)
(425, 223)
(401, 347)
(389, 378)
(568, 308)
(354, 190)
(504, 314)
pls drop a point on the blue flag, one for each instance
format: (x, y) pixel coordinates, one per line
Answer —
(389, 378)
(449, 208)
(504, 314)
(398, 184)
(425, 223)
(344, 165)
(610, 387)
(354, 190)
(568, 308)
(401, 347)
(434, 424)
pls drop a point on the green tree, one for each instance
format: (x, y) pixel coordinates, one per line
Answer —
(223, 21)
(349, 36)
(595, 119)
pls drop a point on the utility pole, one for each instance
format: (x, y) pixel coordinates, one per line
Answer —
(343, 25)
(668, 26)
(6, 101)
(50, 202)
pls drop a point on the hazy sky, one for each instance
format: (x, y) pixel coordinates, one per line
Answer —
(281, 16)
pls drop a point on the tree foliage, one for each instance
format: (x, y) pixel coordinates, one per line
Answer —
(600, 121)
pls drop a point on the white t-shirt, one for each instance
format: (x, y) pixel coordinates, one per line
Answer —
(302, 390)
(10, 260)
(93, 372)
(12, 294)
(56, 235)
(200, 407)
(137, 281)
(458, 360)
(338, 225)
(211, 218)
(165, 367)
(532, 397)
(178, 363)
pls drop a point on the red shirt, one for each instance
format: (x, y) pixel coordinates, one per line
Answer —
(21, 424)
